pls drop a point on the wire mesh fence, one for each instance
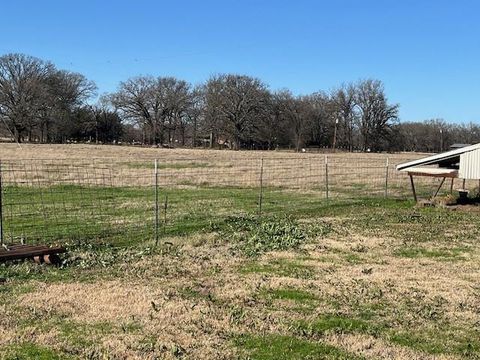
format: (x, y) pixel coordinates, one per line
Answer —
(75, 200)
(129, 201)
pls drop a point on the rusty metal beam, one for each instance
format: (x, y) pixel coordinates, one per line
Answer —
(442, 175)
(18, 252)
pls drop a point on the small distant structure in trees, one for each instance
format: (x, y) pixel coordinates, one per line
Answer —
(461, 162)
(458, 146)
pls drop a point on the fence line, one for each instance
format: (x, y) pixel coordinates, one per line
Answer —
(156, 202)
(118, 201)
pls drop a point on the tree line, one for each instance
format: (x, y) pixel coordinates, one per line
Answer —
(41, 103)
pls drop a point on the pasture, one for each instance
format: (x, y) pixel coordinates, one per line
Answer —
(256, 259)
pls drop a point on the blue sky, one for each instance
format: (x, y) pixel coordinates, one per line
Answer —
(427, 53)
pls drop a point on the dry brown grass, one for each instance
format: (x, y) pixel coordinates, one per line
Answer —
(78, 151)
(176, 322)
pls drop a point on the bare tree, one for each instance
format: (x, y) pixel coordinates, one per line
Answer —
(157, 105)
(22, 91)
(196, 111)
(134, 101)
(272, 129)
(34, 95)
(64, 91)
(322, 114)
(239, 103)
(297, 114)
(345, 107)
(376, 115)
(174, 98)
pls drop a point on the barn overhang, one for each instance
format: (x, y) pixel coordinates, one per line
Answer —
(465, 160)
(463, 163)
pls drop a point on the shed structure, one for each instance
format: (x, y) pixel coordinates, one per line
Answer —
(462, 163)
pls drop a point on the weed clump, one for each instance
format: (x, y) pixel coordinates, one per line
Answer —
(253, 236)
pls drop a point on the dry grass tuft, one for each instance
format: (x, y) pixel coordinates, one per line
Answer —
(374, 348)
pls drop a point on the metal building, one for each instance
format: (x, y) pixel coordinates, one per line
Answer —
(462, 163)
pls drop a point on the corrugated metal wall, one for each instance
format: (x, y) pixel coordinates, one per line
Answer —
(470, 165)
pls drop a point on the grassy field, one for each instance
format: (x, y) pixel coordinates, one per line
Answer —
(347, 278)
(79, 151)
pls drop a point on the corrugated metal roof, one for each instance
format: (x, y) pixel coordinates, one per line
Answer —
(434, 159)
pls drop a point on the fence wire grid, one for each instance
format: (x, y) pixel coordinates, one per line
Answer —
(123, 202)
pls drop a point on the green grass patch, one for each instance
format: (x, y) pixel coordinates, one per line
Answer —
(296, 300)
(121, 215)
(353, 259)
(334, 324)
(296, 295)
(29, 350)
(440, 341)
(279, 267)
(401, 220)
(80, 335)
(126, 215)
(447, 254)
(282, 347)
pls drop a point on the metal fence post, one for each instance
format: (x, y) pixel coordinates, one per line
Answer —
(386, 178)
(260, 196)
(326, 176)
(1, 206)
(156, 202)
(165, 207)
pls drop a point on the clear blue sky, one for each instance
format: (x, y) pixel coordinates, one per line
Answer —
(426, 52)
